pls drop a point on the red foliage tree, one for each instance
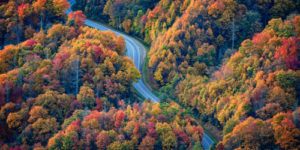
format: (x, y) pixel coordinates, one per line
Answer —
(151, 130)
(261, 38)
(22, 10)
(78, 17)
(289, 51)
(98, 53)
(59, 59)
(120, 115)
(30, 43)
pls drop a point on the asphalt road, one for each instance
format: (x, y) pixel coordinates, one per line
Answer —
(137, 52)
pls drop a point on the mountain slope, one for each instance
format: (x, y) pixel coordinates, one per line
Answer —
(260, 81)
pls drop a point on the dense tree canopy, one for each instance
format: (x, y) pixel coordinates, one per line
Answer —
(137, 127)
(260, 80)
(232, 65)
(46, 78)
(64, 59)
(188, 36)
(19, 19)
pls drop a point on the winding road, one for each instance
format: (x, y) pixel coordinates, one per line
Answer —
(137, 52)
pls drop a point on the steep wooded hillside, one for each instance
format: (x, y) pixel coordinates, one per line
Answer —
(70, 87)
(255, 91)
(20, 19)
(144, 126)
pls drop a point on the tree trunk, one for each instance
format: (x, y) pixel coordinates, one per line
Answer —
(77, 76)
(7, 92)
(41, 21)
(232, 34)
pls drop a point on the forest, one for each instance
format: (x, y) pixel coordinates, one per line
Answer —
(226, 69)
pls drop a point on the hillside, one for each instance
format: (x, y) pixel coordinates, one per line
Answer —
(187, 36)
(149, 74)
(70, 86)
(20, 20)
(259, 84)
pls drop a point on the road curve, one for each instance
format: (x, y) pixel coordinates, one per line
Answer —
(137, 52)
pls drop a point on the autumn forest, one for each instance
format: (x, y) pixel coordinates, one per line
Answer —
(149, 74)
